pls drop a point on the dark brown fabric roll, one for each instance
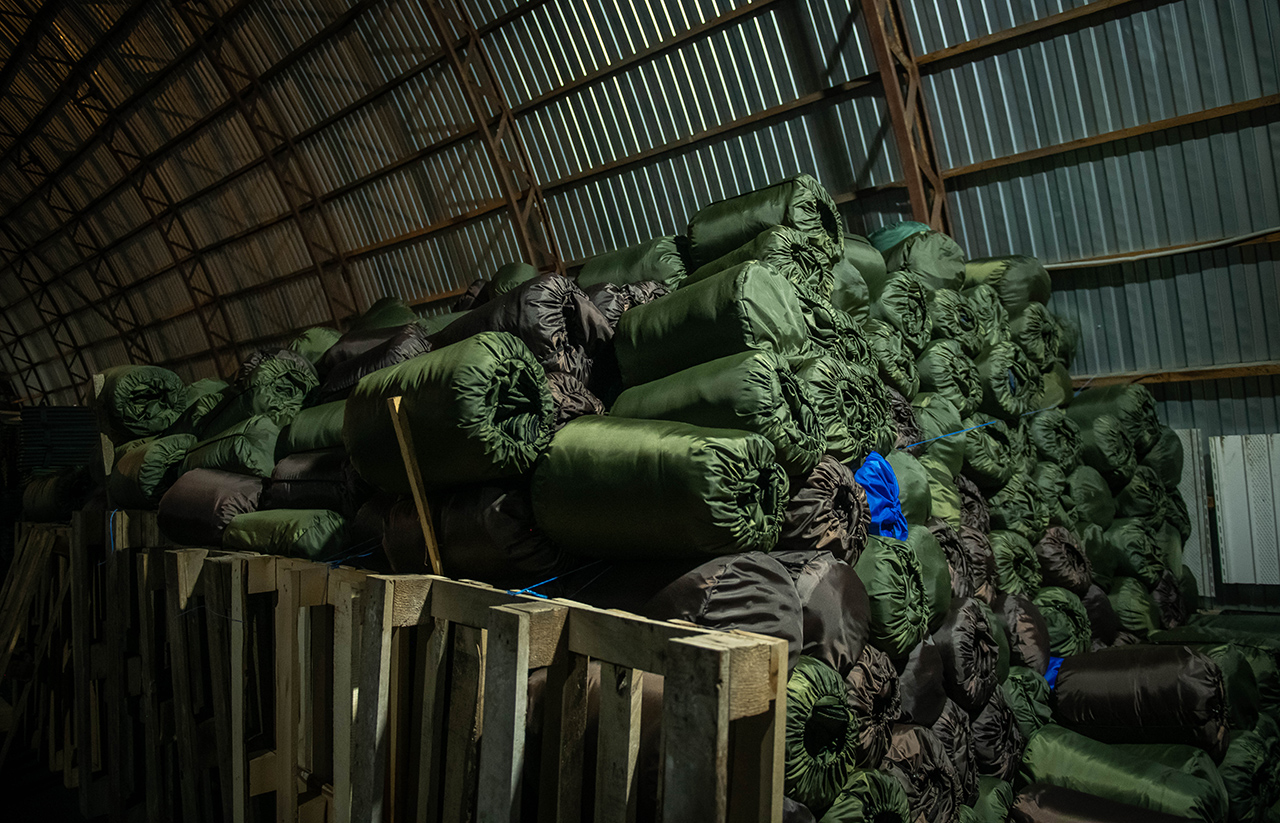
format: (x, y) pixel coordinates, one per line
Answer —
(974, 511)
(920, 682)
(954, 733)
(906, 424)
(572, 398)
(834, 607)
(1168, 596)
(828, 511)
(1042, 803)
(1103, 620)
(198, 506)
(1028, 634)
(982, 564)
(874, 696)
(957, 557)
(998, 743)
(1063, 561)
(920, 763)
(970, 653)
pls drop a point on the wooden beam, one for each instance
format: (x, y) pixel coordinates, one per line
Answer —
(1127, 257)
(1192, 374)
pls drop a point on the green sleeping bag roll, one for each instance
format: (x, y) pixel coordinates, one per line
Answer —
(311, 534)
(142, 474)
(945, 369)
(1186, 760)
(931, 256)
(1243, 697)
(314, 342)
(1143, 496)
(849, 291)
(1134, 606)
(1177, 514)
(896, 364)
(1050, 484)
(869, 796)
(1056, 438)
(797, 256)
(940, 423)
(1107, 447)
(509, 276)
(439, 322)
(747, 308)
(1069, 629)
(821, 734)
(248, 447)
(661, 259)
(137, 401)
(833, 331)
(1165, 458)
(1024, 451)
(1018, 507)
(277, 386)
(1057, 389)
(1061, 757)
(1010, 383)
(617, 488)
(799, 202)
(1068, 340)
(853, 410)
(1132, 404)
(1017, 279)
(1132, 542)
(897, 590)
(385, 313)
(1035, 332)
(319, 427)
(934, 571)
(1248, 776)
(1090, 498)
(754, 391)
(913, 487)
(1016, 563)
(988, 452)
(479, 409)
(990, 313)
(952, 318)
(944, 495)
(1026, 693)
(903, 304)
(995, 800)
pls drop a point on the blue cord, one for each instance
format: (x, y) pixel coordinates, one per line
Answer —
(529, 590)
(111, 528)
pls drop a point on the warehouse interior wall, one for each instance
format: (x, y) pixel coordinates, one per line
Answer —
(181, 183)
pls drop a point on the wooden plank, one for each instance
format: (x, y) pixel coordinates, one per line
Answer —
(404, 434)
(433, 675)
(182, 570)
(226, 677)
(286, 633)
(262, 773)
(369, 739)
(757, 754)
(466, 717)
(82, 527)
(618, 749)
(506, 689)
(150, 573)
(695, 730)
(1188, 375)
(401, 713)
(347, 621)
(564, 728)
(119, 576)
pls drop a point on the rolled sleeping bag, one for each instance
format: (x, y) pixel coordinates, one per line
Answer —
(262, 355)
(749, 591)
(477, 410)
(918, 761)
(920, 684)
(998, 741)
(1165, 458)
(983, 572)
(903, 303)
(1248, 776)
(793, 811)
(1063, 561)
(1060, 757)
(246, 448)
(1036, 332)
(957, 557)
(198, 506)
(1043, 803)
(1050, 482)
(571, 399)
(933, 257)
(995, 799)
(1026, 694)
(1024, 452)
(974, 513)
(1090, 497)
(952, 318)
(944, 368)
(905, 424)
(913, 487)
(1168, 598)
(895, 586)
(988, 456)
(991, 315)
(970, 654)
(834, 606)
(1104, 623)
(827, 511)
(799, 202)
(1066, 619)
(747, 308)
(944, 496)
(953, 732)
(1016, 563)
(1057, 389)
(385, 313)
(849, 275)
(137, 401)
(1239, 683)
(1056, 438)
(310, 534)
(322, 479)
(1262, 651)
(554, 318)
(1133, 605)
(1132, 543)
(358, 342)
(754, 391)
(278, 387)
(1132, 404)
(1142, 496)
(1027, 632)
(1068, 339)
(935, 571)
(312, 343)
(685, 491)
(141, 475)
(939, 425)
(1144, 694)
(1011, 384)
(1108, 449)
(852, 409)
(52, 497)
(319, 427)
(1019, 508)
(874, 695)
(439, 322)
(869, 796)
(204, 399)
(661, 259)
(820, 735)
(797, 256)
(895, 362)
(410, 341)
(1018, 279)
(1177, 515)
(507, 278)
(612, 300)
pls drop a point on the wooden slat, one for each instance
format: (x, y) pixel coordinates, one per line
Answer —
(182, 571)
(225, 677)
(150, 572)
(82, 527)
(286, 634)
(757, 752)
(618, 749)
(466, 715)
(695, 731)
(370, 742)
(506, 690)
(348, 620)
(404, 434)
(432, 677)
(1187, 375)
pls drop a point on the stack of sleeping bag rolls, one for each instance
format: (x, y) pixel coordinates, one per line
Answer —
(867, 446)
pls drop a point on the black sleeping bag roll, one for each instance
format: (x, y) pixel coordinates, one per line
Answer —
(957, 557)
(571, 399)
(896, 587)
(1025, 627)
(1104, 623)
(1063, 561)
(905, 424)
(895, 362)
(321, 479)
(919, 762)
(1043, 803)
(409, 341)
(974, 512)
(827, 511)
(954, 733)
(1144, 694)
(199, 505)
(970, 654)
(1168, 598)
(797, 256)
(983, 571)
(619, 488)
(612, 300)
(354, 344)
(834, 605)
(799, 202)
(563, 330)
(998, 741)
(747, 308)
(920, 684)
(874, 695)
(821, 734)
(661, 259)
(754, 391)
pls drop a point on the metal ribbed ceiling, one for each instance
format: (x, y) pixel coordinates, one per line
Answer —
(181, 182)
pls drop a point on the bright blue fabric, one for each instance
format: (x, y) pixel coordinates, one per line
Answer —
(1051, 674)
(881, 484)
